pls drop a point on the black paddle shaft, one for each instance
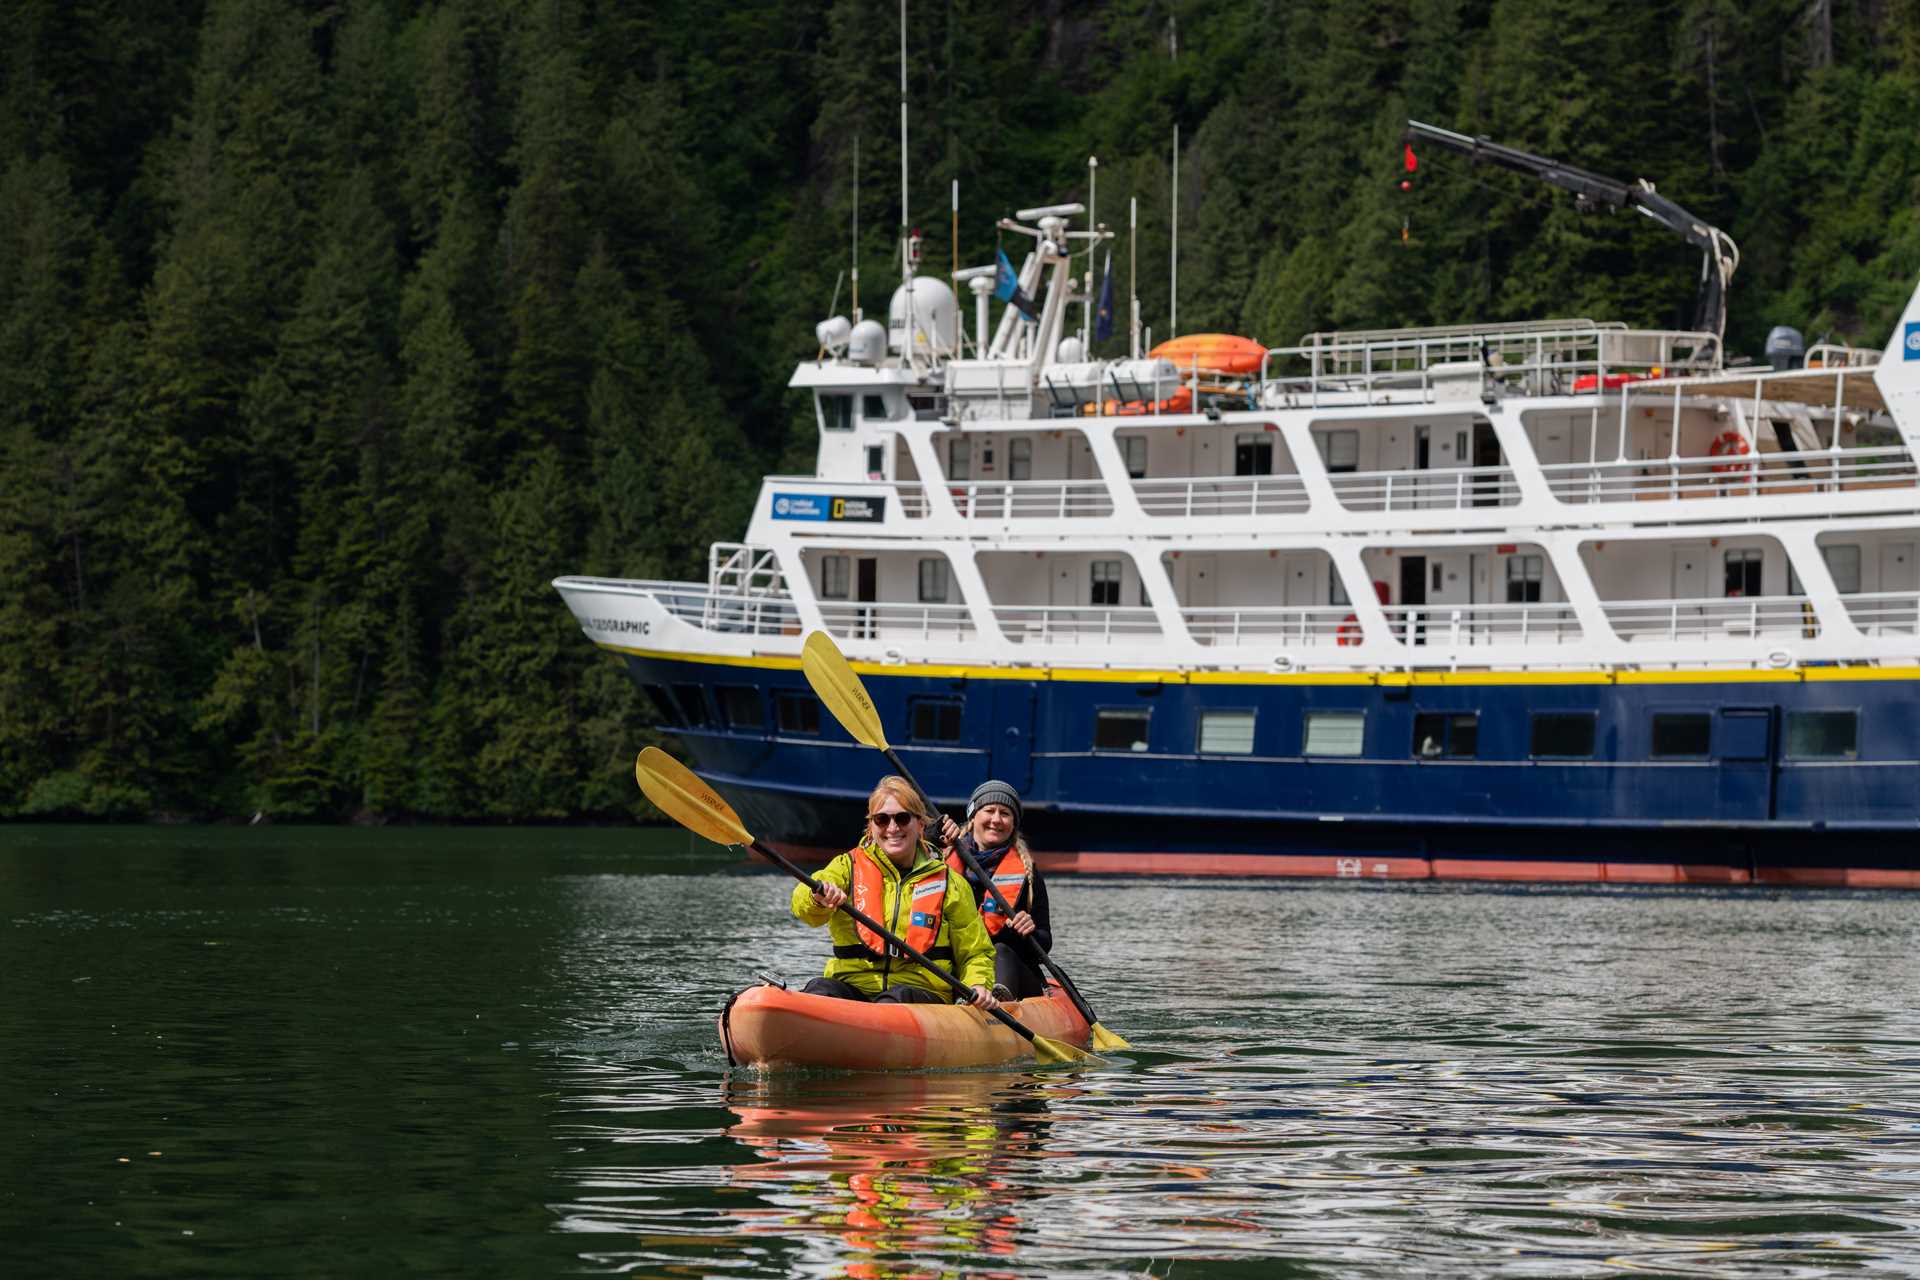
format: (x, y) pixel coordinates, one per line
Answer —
(960, 988)
(1032, 948)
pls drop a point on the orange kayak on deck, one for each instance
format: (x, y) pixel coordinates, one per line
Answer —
(769, 1026)
(1214, 352)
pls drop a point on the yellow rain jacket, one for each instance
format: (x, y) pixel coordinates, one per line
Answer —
(960, 927)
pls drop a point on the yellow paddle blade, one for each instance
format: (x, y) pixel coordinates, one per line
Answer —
(681, 795)
(832, 678)
(1107, 1041)
(1058, 1051)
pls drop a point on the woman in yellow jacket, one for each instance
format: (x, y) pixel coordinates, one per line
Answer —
(896, 877)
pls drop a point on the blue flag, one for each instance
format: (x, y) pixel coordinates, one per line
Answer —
(1103, 314)
(1006, 287)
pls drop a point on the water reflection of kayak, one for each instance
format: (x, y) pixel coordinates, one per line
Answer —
(768, 1026)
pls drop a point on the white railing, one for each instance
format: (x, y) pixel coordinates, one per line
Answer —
(1454, 362)
(1031, 499)
(710, 610)
(1483, 624)
(1744, 475)
(1712, 619)
(1223, 496)
(1426, 490)
(1287, 625)
(1047, 625)
(1882, 613)
(862, 620)
(912, 498)
(740, 568)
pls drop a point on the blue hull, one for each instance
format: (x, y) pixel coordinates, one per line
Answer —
(1763, 792)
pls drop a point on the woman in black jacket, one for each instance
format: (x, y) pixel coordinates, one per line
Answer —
(992, 836)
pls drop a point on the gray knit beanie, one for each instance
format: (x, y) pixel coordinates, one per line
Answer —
(993, 791)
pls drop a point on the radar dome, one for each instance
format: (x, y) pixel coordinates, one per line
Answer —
(867, 343)
(935, 317)
(832, 333)
(1069, 351)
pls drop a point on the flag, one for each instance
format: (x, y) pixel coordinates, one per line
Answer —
(1103, 314)
(1006, 287)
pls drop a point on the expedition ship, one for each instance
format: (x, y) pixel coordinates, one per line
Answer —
(1553, 600)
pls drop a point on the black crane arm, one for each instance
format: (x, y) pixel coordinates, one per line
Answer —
(1719, 255)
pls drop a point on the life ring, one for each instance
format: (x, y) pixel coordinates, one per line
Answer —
(1349, 632)
(1729, 444)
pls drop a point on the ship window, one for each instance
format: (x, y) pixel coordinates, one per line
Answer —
(1133, 450)
(1563, 734)
(1020, 458)
(1227, 733)
(1341, 449)
(876, 462)
(1681, 734)
(1334, 733)
(1105, 588)
(934, 720)
(959, 458)
(1115, 729)
(1743, 572)
(933, 581)
(1446, 734)
(663, 707)
(1843, 562)
(1523, 578)
(796, 712)
(1823, 735)
(874, 408)
(833, 577)
(692, 701)
(741, 706)
(1253, 454)
(836, 412)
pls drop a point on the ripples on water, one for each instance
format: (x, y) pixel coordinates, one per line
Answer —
(446, 1063)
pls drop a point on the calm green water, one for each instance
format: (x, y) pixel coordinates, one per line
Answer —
(325, 1052)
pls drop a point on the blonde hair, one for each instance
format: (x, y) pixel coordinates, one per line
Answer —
(900, 789)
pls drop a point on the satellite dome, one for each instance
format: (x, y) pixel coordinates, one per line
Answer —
(934, 317)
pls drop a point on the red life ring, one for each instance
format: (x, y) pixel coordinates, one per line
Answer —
(1729, 444)
(1349, 632)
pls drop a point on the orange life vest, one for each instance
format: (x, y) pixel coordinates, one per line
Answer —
(925, 899)
(1010, 878)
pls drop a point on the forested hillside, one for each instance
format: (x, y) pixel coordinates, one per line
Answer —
(330, 332)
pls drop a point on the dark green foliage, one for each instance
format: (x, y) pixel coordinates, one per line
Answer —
(331, 333)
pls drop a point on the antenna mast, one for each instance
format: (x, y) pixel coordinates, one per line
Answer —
(1173, 299)
(856, 228)
(906, 268)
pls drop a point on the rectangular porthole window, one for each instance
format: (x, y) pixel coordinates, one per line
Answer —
(1105, 588)
(1524, 574)
(1252, 454)
(692, 701)
(834, 577)
(1226, 733)
(1562, 735)
(934, 720)
(1341, 449)
(836, 413)
(1743, 573)
(1440, 735)
(742, 707)
(663, 707)
(1134, 450)
(873, 408)
(1823, 735)
(1120, 730)
(1334, 733)
(933, 581)
(1681, 734)
(1843, 562)
(960, 459)
(1020, 458)
(797, 712)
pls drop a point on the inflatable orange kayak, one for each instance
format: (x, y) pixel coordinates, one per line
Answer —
(1214, 352)
(769, 1026)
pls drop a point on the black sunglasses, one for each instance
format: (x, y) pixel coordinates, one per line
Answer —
(884, 820)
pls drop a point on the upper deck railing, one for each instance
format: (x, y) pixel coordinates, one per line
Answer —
(1771, 474)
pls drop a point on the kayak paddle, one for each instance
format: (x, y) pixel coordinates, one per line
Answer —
(834, 680)
(683, 796)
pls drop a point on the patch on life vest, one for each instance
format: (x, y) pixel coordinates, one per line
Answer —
(922, 918)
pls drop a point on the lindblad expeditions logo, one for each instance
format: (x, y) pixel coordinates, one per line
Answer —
(1913, 339)
(864, 508)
